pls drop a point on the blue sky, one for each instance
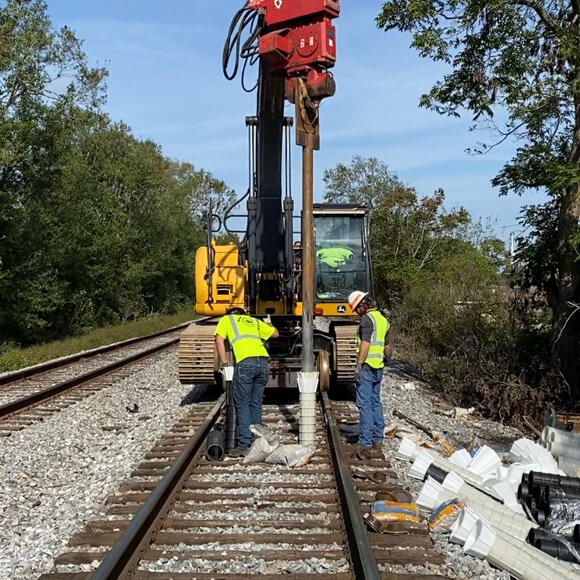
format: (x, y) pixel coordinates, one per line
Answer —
(166, 82)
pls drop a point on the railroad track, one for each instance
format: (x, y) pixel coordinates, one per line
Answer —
(29, 395)
(182, 517)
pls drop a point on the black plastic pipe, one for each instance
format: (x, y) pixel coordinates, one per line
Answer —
(538, 534)
(437, 473)
(556, 549)
(562, 493)
(231, 439)
(215, 445)
(553, 480)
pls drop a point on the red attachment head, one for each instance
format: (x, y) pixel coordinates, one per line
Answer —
(300, 41)
(281, 12)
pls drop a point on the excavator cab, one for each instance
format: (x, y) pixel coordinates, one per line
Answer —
(342, 256)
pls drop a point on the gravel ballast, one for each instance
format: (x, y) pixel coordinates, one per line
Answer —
(57, 474)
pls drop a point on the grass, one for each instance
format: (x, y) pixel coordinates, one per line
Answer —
(16, 358)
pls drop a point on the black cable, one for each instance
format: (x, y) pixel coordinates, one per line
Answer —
(230, 44)
(245, 19)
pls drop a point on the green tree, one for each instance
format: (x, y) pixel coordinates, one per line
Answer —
(406, 231)
(203, 188)
(43, 74)
(520, 58)
(366, 181)
(39, 64)
(96, 226)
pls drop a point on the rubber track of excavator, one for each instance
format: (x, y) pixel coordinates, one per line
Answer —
(346, 352)
(196, 354)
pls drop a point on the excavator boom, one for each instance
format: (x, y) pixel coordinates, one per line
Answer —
(269, 272)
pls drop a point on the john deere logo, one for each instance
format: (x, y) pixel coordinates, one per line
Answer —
(341, 309)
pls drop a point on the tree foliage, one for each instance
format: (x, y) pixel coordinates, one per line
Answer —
(96, 226)
(515, 66)
(445, 280)
(367, 181)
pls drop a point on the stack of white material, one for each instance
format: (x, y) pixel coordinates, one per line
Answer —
(307, 385)
(490, 527)
(485, 468)
(565, 447)
(528, 453)
(483, 540)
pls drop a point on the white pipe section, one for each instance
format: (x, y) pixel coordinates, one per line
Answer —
(570, 449)
(527, 452)
(499, 515)
(429, 494)
(553, 435)
(421, 464)
(485, 461)
(507, 494)
(514, 557)
(463, 525)
(307, 382)
(570, 467)
(425, 459)
(461, 458)
(408, 450)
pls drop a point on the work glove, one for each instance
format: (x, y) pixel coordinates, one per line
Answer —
(357, 372)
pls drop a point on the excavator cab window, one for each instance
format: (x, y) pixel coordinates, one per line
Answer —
(340, 256)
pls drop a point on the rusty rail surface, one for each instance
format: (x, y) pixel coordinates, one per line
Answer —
(28, 372)
(29, 399)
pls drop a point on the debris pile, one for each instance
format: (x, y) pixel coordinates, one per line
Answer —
(520, 512)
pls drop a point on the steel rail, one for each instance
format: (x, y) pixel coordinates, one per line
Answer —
(46, 394)
(62, 362)
(363, 560)
(125, 553)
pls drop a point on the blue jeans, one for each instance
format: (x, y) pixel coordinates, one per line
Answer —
(368, 401)
(250, 378)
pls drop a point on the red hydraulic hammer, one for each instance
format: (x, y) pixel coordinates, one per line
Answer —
(300, 41)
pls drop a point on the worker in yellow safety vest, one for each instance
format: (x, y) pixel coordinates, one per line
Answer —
(374, 348)
(246, 336)
(334, 257)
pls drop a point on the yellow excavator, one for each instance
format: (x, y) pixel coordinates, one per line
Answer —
(300, 280)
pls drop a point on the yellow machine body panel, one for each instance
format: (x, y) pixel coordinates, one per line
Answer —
(228, 279)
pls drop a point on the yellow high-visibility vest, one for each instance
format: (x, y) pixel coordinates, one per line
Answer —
(245, 334)
(377, 345)
(334, 257)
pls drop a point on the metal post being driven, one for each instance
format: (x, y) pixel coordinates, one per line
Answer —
(307, 255)
(307, 136)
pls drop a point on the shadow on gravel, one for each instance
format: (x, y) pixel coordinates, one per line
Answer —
(201, 394)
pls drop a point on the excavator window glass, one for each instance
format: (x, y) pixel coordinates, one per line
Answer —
(340, 257)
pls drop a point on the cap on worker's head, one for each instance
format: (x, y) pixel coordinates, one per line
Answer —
(356, 297)
(236, 310)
